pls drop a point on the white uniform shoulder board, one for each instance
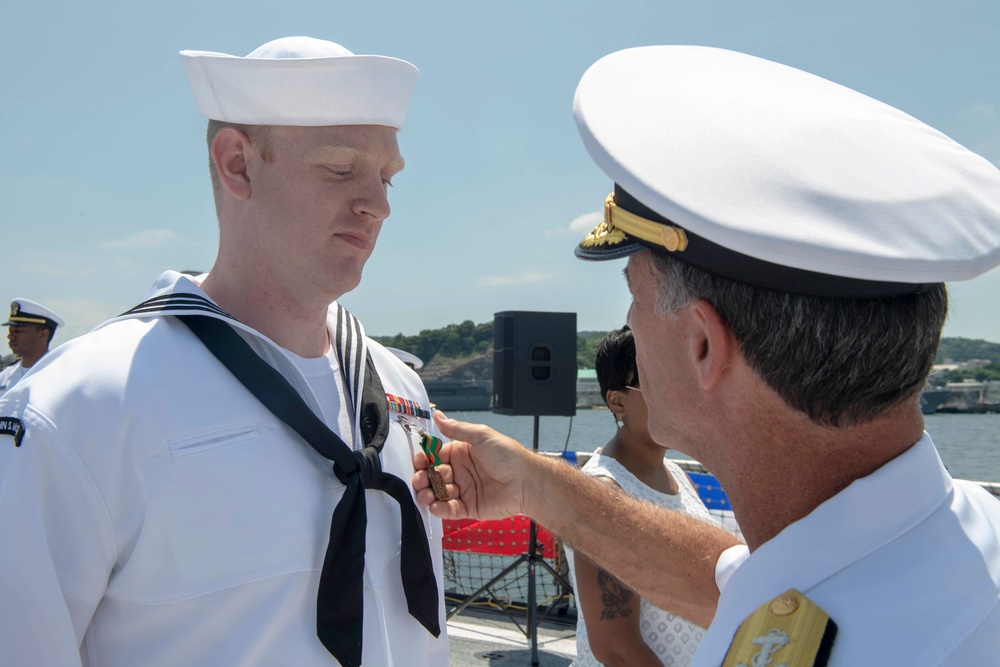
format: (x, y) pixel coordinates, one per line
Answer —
(789, 631)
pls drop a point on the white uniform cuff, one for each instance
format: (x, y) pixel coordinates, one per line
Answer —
(728, 562)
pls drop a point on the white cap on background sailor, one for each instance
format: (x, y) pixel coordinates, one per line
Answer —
(300, 81)
(408, 358)
(771, 176)
(25, 311)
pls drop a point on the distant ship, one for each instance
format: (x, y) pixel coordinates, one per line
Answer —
(930, 399)
(459, 395)
(455, 395)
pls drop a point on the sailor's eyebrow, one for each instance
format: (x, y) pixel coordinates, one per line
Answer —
(334, 152)
(349, 153)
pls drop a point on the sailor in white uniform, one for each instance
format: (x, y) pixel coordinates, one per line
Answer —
(32, 327)
(219, 475)
(788, 241)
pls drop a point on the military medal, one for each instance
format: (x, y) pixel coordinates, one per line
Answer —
(431, 446)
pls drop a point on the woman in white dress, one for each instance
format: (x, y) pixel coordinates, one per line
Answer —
(614, 625)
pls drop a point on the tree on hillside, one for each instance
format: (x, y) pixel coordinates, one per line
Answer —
(586, 347)
(454, 341)
(955, 350)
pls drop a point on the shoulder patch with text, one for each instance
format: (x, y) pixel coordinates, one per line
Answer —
(12, 426)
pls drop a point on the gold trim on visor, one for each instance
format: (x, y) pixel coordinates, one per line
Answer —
(27, 320)
(618, 222)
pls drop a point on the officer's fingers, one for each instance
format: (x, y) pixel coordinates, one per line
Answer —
(476, 435)
(450, 509)
(420, 462)
(425, 496)
(447, 473)
(465, 431)
(420, 482)
(421, 478)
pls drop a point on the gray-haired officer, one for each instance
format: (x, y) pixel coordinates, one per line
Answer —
(788, 241)
(32, 327)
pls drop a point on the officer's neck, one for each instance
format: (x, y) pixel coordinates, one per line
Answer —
(29, 359)
(793, 466)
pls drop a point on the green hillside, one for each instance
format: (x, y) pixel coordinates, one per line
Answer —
(954, 350)
(469, 341)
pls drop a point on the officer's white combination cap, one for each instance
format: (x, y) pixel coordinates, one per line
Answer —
(300, 81)
(26, 311)
(771, 176)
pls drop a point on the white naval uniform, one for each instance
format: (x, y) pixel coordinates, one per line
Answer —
(156, 514)
(906, 561)
(11, 375)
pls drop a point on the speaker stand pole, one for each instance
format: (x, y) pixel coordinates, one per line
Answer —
(532, 557)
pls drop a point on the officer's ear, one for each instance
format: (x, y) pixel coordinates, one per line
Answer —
(712, 345)
(230, 152)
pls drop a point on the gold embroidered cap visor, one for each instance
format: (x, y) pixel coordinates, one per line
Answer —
(630, 227)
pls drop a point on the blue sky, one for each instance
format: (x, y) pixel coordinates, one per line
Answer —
(103, 181)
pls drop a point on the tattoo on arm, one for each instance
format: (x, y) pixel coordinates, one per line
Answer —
(614, 597)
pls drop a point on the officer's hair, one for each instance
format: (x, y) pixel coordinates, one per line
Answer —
(260, 138)
(842, 362)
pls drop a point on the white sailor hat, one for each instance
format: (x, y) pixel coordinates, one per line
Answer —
(771, 176)
(300, 81)
(25, 311)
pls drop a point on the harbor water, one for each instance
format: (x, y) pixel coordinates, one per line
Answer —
(969, 444)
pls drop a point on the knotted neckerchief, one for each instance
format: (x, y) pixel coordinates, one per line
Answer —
(340, 600)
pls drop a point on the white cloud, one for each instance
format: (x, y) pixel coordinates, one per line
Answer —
(521, 279)
(148, 238)
(579, 226)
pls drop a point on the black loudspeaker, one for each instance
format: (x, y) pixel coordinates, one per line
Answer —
(534, 363)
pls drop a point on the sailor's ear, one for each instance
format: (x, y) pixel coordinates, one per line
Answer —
(230, 153)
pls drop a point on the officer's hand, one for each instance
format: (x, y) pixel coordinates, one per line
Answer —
(485, 473)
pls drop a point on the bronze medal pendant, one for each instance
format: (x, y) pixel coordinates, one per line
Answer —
(437, 483)
(431, 446)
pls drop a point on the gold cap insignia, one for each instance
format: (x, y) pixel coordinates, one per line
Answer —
(618, 222)
(604, 234)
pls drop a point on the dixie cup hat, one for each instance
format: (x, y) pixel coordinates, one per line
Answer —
(300, 81)
(768, 175)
